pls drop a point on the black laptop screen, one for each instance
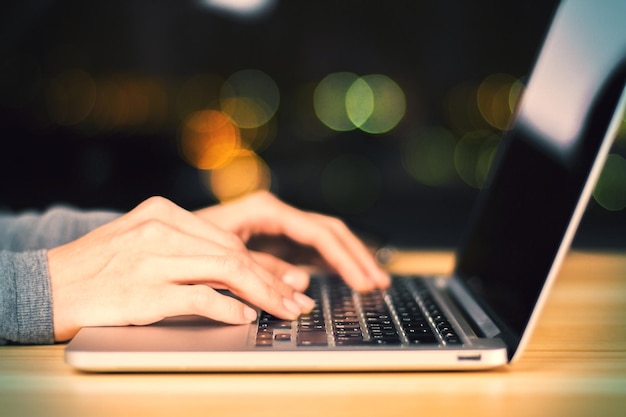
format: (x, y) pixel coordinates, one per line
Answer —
(543, 163)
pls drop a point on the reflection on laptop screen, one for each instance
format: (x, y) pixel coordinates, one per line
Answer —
(545, 160)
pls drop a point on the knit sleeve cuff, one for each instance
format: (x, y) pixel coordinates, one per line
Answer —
(28, 272)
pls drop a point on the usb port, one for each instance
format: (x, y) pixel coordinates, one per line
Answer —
(468, 357)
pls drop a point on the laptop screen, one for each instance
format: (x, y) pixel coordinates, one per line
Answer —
(544, 162)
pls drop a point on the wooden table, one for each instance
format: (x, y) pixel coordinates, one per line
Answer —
(575, 365)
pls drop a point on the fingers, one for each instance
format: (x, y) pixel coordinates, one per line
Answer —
(205, 301)
(290, 274)
(262, 213)
(238, 273)
(344, 252)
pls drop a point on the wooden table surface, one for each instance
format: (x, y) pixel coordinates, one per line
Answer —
(575, 365)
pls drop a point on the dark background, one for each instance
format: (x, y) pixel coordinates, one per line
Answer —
(430, 48)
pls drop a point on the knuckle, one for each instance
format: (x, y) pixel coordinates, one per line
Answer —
(199, 299)
(242, 262)
(237, 244)
(264, 199)
(263, 195)
(155, 206)
(336, 224)
(234, 262)
(157, 201)
(330, 228)
(150, 229)
(241, 270)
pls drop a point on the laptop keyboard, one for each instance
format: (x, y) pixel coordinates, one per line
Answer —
(404, 314)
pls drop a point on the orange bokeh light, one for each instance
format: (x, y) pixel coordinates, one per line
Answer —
(209, 139)
(244, 174)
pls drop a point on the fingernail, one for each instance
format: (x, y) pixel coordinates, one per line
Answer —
(306, 303)
(292, 306)
(249, 313)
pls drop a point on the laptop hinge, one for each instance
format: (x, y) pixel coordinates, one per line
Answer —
(477, 315)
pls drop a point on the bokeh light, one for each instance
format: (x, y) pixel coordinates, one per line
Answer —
(428, 156)
(209, 139)
(129, 102)
(487, 105)
(388, 103)
(258, 138)
(496, 97)
(373, 103)
(351, 183)
(515, 95)
(359, 102)
(222, 143)
(250, 97)
(485, 159)
(473, 156)
(108, 103)
(246, 172)
(241, 8)
(610, 191)
(329, 100)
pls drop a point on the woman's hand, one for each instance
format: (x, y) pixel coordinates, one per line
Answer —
(160, 260)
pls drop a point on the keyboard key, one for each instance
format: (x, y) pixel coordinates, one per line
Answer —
(264, 342)
(349, 341)
(453, 340)
(282, 337)
(312, 338)
(387, 341)
(424, 340)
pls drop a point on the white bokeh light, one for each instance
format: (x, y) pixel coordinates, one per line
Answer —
(243, 8)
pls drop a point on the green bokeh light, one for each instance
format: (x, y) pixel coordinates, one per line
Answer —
(373, 103)
(360, 102)
(473, 156)
(428, 156)
(329, 100)
(389, 104)
(610, 191)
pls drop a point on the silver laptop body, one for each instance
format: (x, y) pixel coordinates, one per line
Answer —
(520, 232)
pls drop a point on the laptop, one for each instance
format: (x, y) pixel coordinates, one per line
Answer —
(482, 315)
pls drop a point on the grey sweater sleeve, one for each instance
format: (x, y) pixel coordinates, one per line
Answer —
(25, 297)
